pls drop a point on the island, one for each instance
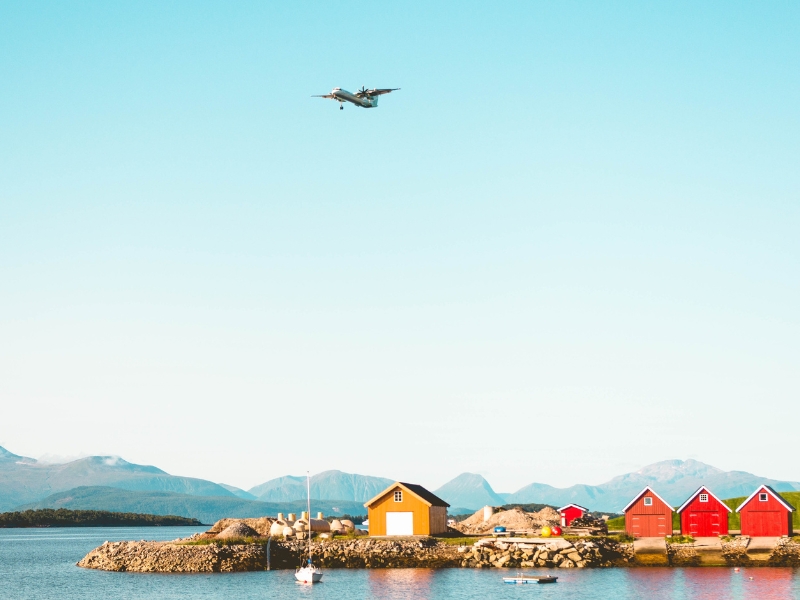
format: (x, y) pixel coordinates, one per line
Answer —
(62, 517)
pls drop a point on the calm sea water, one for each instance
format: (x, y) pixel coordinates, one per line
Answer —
(40, 564)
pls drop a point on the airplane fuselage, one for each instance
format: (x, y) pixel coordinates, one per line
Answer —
(345, 96)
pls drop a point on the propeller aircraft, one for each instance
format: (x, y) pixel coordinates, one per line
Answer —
(364, 98)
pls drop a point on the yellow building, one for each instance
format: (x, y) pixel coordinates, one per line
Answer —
(406, 509)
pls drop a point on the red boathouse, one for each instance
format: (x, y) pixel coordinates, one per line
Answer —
(704, 515)
(648, 515)
(570, 512)
(766, 514)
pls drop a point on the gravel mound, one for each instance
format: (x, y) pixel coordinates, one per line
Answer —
(237, 530)
(514, 520)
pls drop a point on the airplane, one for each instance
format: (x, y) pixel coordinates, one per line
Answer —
(364, 98)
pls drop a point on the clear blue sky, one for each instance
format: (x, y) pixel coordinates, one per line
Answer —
(585, 209)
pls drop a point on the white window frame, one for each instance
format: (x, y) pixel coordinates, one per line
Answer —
(763, 497)
(648, 501)
(398, 495)
(703, 497)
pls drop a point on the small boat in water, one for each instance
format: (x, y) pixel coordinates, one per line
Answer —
(308, 573)
(519, 579)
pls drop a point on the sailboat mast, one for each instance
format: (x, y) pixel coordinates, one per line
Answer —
(308, 489)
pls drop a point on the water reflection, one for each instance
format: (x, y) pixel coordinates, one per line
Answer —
(651, 582)
(389, 584)
(40, 565)
(767, 583)
(708, 583)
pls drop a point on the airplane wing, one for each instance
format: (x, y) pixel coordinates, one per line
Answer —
(328, 96)
(375, 92)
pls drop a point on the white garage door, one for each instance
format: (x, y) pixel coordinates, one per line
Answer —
(399, 523)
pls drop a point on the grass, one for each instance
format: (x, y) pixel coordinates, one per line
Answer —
(350, 535)
(457, 541)
(679, 539)
(226, 542)
(616, 523)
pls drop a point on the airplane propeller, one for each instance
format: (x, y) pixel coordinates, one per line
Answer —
(363, 90)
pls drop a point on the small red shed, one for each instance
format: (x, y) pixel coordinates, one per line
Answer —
(648, 515)
(704, 515)
(766, 514)
(570, 512)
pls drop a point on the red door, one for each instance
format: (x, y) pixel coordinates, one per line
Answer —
(649, 525)
(704, 524)
(765, 523)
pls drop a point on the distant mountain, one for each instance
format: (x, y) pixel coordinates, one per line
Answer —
(207, 509)
(24, 480)
(281, 489)
(238, 492)
(674, 480)
(469, 490)
(328, 485)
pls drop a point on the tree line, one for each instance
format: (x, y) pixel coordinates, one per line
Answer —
(62, 517)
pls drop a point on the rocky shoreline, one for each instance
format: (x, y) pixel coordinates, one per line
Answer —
(187, 556)
(251, 545)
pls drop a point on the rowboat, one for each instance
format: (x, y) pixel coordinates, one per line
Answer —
(519, 579)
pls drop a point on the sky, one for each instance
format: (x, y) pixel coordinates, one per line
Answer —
(566, 248)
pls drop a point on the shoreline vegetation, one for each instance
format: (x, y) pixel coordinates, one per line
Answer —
(62, 517)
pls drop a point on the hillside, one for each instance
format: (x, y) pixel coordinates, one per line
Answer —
(238, 492)
(469, 490)
(25, 480)
(328, 484)
(207, 509)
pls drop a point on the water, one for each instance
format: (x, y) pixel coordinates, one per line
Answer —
(40, 564)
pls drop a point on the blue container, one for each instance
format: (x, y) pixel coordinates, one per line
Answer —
(499, 529)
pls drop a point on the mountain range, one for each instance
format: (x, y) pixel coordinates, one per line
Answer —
(207, 509)
(111, 483)
(674, 480)
(24, 480)
(328, 484)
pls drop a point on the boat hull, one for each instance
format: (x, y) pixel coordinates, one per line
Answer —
(528, 579)
(308, 575)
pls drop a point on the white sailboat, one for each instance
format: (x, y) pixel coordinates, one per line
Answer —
(308, 573)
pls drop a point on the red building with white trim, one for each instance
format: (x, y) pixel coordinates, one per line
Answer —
(704, 515)
(648, 515)
(766, 514)
(570, 512)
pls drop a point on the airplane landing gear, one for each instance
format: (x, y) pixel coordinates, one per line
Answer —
(341, 107)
